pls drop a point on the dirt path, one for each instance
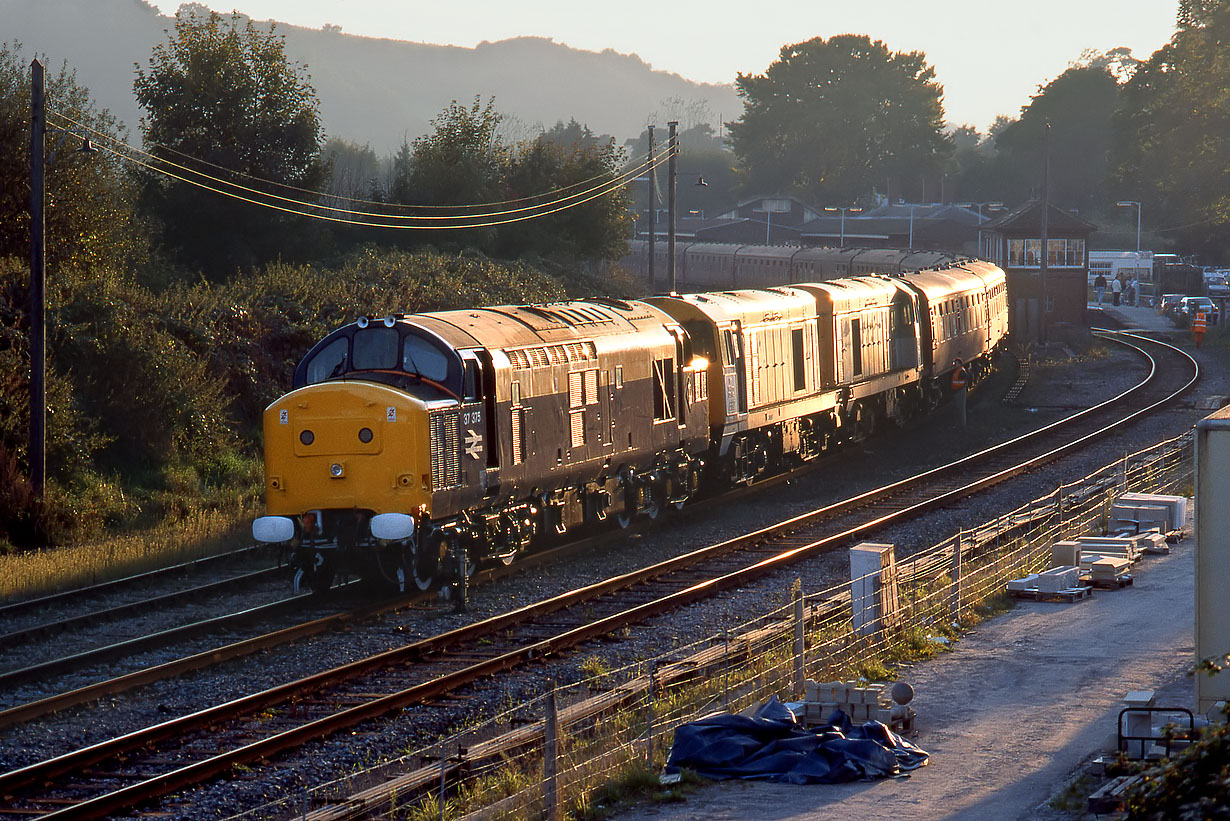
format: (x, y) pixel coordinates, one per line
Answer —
(1011, 713)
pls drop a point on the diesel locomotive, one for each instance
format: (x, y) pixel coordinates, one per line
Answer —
(414, 444)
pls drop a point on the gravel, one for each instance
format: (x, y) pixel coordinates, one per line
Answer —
(1052, 390)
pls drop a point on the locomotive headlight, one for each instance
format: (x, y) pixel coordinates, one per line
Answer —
(365, 435)
(335, 470)
(390, 321)
(307, 437)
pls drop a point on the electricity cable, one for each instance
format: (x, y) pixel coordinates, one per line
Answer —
(548, 206)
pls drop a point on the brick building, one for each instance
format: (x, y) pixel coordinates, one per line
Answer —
(1014, 243)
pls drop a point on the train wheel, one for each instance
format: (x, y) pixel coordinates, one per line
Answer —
(318, 577)
(425, 559)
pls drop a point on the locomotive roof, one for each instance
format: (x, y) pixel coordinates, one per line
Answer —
(511, 326)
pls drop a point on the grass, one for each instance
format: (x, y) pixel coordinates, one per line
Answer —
(196, 534)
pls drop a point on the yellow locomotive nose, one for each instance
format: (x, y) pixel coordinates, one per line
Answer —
(334, 446)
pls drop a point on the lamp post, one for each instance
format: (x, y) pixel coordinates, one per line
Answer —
(843, 219)
(1127, 204)
(991, 206)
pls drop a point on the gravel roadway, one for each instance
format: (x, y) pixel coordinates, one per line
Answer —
(1014, 709)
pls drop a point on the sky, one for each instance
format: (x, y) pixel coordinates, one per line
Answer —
(989, 56)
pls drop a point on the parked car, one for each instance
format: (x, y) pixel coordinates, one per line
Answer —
(1215, 285)
(1192, 305)
(1169, 302)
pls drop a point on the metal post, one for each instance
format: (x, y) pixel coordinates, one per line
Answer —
(653, 680)
(726, 667)
(38, 279)
(955, 595)
(670, 204)
(443, 775)
(1046, 195)
(550, 763)
(653, 215)
(768, 226)
(843, 228)
(798, 636)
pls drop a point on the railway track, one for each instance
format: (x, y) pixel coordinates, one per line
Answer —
(133, 770)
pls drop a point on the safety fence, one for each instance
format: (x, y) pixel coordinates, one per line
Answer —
(555, 756)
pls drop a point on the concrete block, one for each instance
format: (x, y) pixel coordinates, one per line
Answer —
(1109, 568)
(1175, 505)
(1066, 554)
(1030, 581)
(1058, 578)
(874, 601)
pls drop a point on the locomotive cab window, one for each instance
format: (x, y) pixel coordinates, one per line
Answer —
(423, 358)
(329, 362)
(375, 349)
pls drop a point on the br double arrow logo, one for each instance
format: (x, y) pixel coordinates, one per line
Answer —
(474, 444)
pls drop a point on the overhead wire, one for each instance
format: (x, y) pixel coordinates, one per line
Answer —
(365, 218)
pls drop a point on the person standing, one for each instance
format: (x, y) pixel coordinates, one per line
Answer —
(1199, 326)
(1134, 290)
(959, 382)
(1099, 287)
(1116, 290)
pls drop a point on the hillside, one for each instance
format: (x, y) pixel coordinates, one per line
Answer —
(378, 91)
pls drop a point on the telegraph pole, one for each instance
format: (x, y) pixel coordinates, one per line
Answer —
(653, 216)
(38, 257)
(674, 150)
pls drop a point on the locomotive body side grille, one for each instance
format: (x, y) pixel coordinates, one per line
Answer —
(445, 449)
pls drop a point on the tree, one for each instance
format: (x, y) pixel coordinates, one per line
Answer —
(1172, 132)
(90, 201)
(831, 120)
(593, 227)
(461, 162)
(1078, 105)
(222, 98)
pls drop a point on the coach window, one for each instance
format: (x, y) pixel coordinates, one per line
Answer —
(800, 363)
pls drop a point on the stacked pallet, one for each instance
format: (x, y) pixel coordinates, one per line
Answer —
(1142, 512)
(1057, 583)
(860, 703)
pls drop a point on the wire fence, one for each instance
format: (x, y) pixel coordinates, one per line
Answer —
(557, 755)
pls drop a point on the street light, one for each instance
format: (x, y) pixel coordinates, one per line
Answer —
(991, 206)
(843, 220)
(1127, 204)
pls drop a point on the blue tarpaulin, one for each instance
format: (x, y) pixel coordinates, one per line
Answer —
(771, 745)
